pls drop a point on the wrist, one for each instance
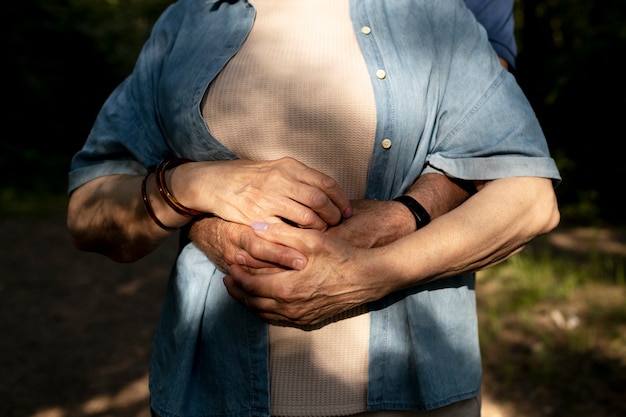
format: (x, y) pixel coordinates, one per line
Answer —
(418, 212)
(163, 177)
(159, 200)
(158, 211)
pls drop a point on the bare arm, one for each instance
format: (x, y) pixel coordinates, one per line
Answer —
(493, 225)
(489, 227)
(107, 215)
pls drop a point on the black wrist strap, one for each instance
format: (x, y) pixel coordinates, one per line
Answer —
(422, 218)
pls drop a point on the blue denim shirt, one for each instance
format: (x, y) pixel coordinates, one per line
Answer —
(444, 104)
(497, 18)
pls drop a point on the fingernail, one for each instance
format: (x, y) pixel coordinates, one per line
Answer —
(260, 226)
(298, 264)
(348, 212)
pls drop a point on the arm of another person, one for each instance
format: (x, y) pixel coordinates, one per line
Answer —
(107, 214)
(489, 227)
(496, 16)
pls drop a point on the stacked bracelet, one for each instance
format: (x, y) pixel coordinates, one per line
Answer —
(148, 206)
(422, 218)
(165, 191)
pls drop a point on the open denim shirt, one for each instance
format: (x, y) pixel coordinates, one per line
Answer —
(444, 104)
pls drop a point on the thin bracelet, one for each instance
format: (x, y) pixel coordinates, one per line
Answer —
(422, 218)
(148, 206)
(165, 191)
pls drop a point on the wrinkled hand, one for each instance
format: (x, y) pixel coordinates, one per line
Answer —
(245, 191)
(337, 278)
(374, 223)
(226, 243)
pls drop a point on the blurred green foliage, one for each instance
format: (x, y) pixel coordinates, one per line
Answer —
(551, 325)
(65, 56)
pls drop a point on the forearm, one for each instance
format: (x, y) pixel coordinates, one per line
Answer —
(491, 226)
(107, 215)
(438, 194)
(377, 223)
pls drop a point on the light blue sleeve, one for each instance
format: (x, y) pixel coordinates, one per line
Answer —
(496, 16)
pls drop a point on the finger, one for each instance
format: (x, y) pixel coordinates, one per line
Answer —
(262, 271)
(287, 200)
(265, 292)
(337, 197)
(261, 253)
(285, 188)
(324, 196)
(301, 240)
(300, 205)
(244, 259)
(250, 290)
(219, 241)
(245, 288)
(254, 291)
(315, 190)
(250, 285)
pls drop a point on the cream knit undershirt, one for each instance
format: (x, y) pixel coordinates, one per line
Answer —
(299, 87)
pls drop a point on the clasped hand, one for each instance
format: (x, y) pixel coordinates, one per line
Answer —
(304, 272)
(334, 280)
(298, 276)
(244, 192)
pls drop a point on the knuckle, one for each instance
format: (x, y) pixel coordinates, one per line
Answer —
(295, 314)
(329, 182)
(307, 217)
(287, 296)
(315, 241)
(318, 199)
(254, 247)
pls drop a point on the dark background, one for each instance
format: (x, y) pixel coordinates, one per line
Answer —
(63, 57)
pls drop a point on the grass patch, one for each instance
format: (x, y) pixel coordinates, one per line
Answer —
(553, 332)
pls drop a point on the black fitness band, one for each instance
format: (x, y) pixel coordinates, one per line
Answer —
(422, 218)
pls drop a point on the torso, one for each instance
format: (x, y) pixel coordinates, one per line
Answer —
(325, 117)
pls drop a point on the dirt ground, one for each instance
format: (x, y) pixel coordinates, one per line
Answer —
(77, 328)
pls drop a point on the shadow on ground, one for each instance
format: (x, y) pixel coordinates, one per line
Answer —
(76, 327)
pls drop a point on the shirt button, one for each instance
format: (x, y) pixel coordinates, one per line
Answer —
(381, 74)
(386, 143)
(366, 30)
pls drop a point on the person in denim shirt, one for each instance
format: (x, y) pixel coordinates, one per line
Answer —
(444, 107)
(496, 16)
